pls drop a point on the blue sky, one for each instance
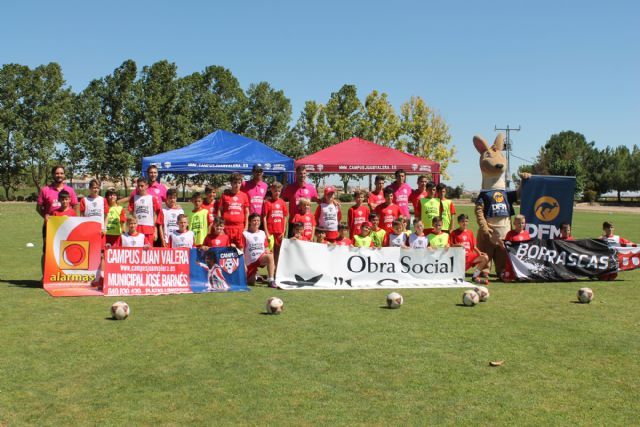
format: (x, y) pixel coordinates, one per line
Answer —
(547, 66)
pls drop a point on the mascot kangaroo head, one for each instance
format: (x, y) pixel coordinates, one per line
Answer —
(493, 164)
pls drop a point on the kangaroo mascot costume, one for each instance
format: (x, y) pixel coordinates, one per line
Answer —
(494, 206)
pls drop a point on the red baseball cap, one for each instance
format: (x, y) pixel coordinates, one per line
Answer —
(329, 189)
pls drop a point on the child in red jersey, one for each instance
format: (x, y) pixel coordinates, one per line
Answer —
(145, 208)
(65, 208)
(274, 219)
(321, 236)
(234, 209)
(304, 216)
(328, 214)
(256, 252)
(565, 232)
(612, 239)
(474, 257)
(298, 229)
(517, 234)
(209, 202)
(181, 237)
(376, 197)
(132, 238)
(342, 239)
(387, 211)
(216, 237)
(357, 214)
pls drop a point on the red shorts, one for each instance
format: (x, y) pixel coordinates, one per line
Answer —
(109, 239)
(469, 258)
(252, 269)
(235, 234)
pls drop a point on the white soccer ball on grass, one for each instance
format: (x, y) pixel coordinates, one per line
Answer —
(585, 295)
(275, 305)
(120, 310)
(394, 300)
(483, 293)
(470, 298)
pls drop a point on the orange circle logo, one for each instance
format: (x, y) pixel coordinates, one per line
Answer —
(498, 197)
(547, 208)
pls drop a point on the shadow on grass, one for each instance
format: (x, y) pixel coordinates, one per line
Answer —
(32, 284)
(465, 306)
(384, 307)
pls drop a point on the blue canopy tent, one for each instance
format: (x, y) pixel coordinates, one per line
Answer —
(222, 152)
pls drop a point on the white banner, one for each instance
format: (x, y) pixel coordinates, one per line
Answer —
(306, 265)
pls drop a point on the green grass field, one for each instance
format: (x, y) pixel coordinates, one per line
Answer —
(332, 358)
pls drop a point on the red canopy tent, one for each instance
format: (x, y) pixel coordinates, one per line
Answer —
(359, 156)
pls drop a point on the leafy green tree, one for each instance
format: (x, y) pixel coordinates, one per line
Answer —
(87, 131)
(267, 115)
(45, 103)
(622, 176)
(214, 100)
(344, 114)
(12, 151)
(568, 154)
(165, 116)
(425, 134)
(121, 117)
(380, 124)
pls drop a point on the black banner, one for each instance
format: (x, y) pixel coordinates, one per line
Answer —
(560, 260)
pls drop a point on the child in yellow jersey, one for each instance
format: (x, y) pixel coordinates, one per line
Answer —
(364, 239)
(198, 220)
(116, 218)
(438, 238)
(377, 234)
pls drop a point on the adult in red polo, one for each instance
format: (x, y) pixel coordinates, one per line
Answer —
(256, 189)
(48, 199)
(155, 188)
(297, 190)
(401, 192)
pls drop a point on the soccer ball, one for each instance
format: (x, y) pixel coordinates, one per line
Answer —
(275, 305)
(120, 310)
(470, 298)
(483, 293)
(394, 300)
(585, 295)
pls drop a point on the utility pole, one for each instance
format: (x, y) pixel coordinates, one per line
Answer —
(507, 147)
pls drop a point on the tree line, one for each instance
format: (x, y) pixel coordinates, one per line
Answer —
(107, 128)
(596, 170)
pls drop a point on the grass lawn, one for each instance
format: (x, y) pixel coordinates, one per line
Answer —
(332, 358)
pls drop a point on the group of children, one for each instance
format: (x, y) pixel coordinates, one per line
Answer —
(227, 222)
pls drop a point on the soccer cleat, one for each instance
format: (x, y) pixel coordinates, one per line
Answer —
(481, 280)
(272, 284)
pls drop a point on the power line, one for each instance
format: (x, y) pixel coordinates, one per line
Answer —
(523, 159)
(507, 147)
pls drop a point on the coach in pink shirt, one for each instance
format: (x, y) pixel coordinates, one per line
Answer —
(401, 192)
(256, 189)
(155, 188)
(48, 196)
(48, 202)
